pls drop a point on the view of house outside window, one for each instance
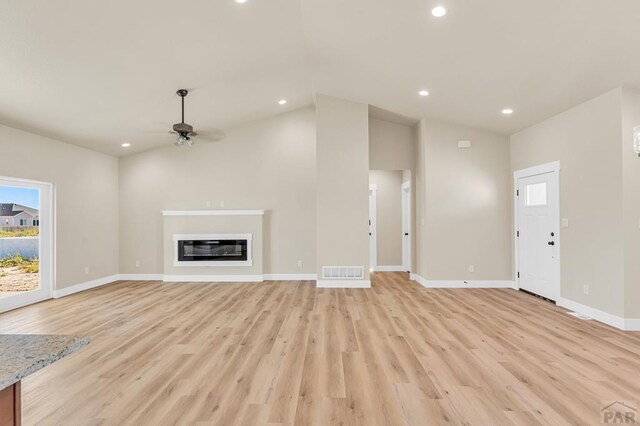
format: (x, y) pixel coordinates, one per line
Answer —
(19, 240)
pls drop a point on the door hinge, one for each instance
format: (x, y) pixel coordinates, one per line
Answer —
(518, 274)
(517, 233)
(517, 192)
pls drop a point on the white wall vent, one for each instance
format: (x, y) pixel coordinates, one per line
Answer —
(343, 272)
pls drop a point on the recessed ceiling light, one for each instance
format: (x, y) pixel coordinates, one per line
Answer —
(282, 101)
(241, 1)
(438, 11)
(125, 145)
(423, 93)
(507, 111)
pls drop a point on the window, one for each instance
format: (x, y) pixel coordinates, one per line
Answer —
(36, 222)
(536, 194)
(23, 222)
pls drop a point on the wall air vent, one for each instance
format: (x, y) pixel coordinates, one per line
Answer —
(343, 272)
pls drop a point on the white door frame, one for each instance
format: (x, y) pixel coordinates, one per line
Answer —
(373, 227)
(552, 167)
(46, 245)
(406, 225)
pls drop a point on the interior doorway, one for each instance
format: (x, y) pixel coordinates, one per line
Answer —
(390, 220)
(373, 234)
(537, 230)
(26, 242)
(406, 226)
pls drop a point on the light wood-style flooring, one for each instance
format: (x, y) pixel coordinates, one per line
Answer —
(285, 353)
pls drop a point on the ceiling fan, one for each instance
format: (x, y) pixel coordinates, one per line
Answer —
(185, 133)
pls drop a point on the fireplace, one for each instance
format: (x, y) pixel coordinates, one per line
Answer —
(212, 250)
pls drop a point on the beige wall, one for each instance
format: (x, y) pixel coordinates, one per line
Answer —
(388, 215)
(586, 140)
(391, 145)
(86, 198)
(631, 202)
(464, 205)
(342, 135)
(268, 164)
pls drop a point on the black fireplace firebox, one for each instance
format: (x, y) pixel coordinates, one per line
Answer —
(212, 250)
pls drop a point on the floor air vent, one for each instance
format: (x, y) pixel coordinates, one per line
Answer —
(579, 316)
(343, 272)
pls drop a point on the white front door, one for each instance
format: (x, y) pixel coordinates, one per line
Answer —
(537, 234)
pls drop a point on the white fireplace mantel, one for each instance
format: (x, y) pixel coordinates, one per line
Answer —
(213, 212)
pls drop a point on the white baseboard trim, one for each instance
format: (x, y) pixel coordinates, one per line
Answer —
(212, 278)
(632, 324)
(598, 315)
(461, 283)
(84, 286)
(140, 277)
(387, 268)
(290, 277)
(218, 278)
(343, 284)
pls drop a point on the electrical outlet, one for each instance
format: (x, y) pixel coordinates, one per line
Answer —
(137, 263)
(299, 263)
(207, 204)
(585, 289)
(472, 268)
(86, 270)
(565, 223)
(221, 203)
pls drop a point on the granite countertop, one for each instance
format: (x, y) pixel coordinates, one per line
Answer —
(23, 354)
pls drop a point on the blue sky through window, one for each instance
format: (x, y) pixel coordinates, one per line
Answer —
(25, 196)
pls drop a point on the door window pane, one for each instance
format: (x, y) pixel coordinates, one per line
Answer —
(536, 194)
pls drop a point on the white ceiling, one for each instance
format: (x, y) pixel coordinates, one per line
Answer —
(98, 73)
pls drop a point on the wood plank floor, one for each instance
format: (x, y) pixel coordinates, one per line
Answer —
(286, 353)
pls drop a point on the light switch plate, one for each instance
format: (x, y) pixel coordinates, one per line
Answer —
(464, 144)
(472, 268)
(565, 223)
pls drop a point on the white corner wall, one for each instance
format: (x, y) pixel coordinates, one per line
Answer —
(343, 183)
(85, 185)
(464, 203)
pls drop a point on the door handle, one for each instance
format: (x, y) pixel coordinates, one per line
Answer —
(406, 234)
(551, 243)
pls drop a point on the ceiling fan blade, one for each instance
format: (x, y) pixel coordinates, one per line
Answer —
(209, 135)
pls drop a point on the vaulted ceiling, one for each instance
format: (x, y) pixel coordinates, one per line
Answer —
(98, 73)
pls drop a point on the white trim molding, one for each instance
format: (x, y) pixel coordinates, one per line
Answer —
(626, 324)
(212, 278)
(7, 304)
(389, 268)
(343, 284)
(140, 277)
(462, 283)
(213, 212)
(632, 324)
(540, 169)
(290, 277)
(66, 291)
